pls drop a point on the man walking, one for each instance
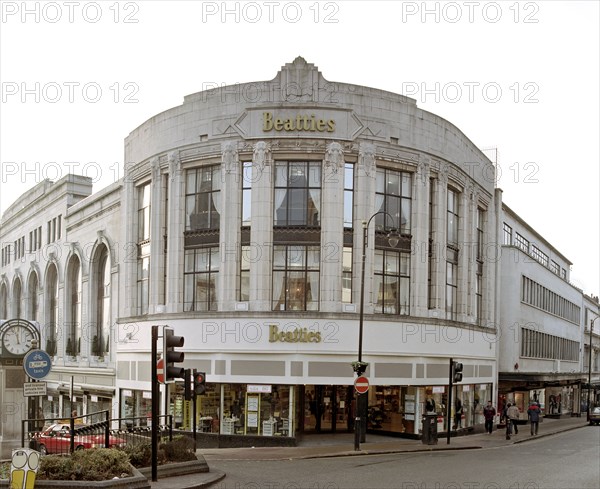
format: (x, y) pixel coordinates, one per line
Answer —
(513, 417)
(534, 417)
(488, 413)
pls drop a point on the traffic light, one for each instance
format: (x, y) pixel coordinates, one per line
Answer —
(457, 369)
(187, 385)
(199, 383)
(171, 356)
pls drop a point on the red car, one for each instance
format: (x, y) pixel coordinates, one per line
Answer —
(56, 438)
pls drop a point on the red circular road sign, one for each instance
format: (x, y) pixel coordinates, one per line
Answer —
(361, 385)
(160, 371)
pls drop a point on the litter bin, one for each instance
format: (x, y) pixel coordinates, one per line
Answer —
(429, 429)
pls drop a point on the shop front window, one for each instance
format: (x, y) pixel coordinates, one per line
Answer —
(136, 408)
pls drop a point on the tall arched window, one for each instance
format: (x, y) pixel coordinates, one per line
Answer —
(51, 309)
(73, 309)
(3, 302)
(16, 302)
(101, 336)
(32, 298)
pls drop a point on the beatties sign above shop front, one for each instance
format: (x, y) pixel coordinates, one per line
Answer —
(298, 335)
(302, 122)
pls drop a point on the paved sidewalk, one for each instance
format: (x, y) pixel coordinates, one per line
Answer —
(342, 444)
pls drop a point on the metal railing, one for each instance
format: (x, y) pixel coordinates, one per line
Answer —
(65, 435)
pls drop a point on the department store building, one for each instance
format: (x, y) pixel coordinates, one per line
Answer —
(239, 223)
(246, 207)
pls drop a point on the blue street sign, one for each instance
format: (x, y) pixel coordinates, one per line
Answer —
(37, 364)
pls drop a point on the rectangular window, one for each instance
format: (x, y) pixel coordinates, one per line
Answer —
(452, 217)
(348, 195)
(296, 278)
(522, 242)
(203, 198)
(58, 226)
(391, 282)
(507, 235)
(245, 273)
(555, 267)
(539, 255)
(246, 192)
(143, 213)
(393, 194)
(347, 274)
(143, 277)
(297, 194)
(451, 283)
(200, 278)
(143, 237)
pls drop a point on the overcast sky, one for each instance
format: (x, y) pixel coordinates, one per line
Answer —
(520, 77)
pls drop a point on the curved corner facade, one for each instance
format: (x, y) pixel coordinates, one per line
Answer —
(247, 206)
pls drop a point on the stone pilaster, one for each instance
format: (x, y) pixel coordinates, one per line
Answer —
(465, 239)
(261, 231)
(129, 234)
(332, 223)
(420, 239)
(229, 229)
(364, 195)
(156, 282)
(175, 229)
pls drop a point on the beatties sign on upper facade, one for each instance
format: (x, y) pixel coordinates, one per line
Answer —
(301, 122)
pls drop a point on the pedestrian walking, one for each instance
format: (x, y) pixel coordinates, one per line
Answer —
(489, 412)
(534, 413)
(458, 411)
(513, 418)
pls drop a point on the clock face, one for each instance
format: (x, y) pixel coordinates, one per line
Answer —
(17, 340)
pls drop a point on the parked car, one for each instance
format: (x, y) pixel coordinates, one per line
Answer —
(56, 438)
(595, 415)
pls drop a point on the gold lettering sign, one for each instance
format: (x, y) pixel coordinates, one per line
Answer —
(298, 335)
(302, 122)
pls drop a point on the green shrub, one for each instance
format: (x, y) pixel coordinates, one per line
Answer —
(4, 470)
(96, 464)
(180, 449)
(140, 454)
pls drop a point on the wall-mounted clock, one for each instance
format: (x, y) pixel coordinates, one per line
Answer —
(17, 337)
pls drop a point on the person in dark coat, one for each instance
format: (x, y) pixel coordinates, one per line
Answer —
(488, 413)
(458, 410)
(534, 413)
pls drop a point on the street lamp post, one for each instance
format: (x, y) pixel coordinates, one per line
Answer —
(360, 421)
(589, 402)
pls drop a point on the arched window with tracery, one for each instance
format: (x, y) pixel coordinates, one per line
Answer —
(73, 309)
(32, 299)
(100, 334)
(51, 309)
(3, 302)
(16, 302)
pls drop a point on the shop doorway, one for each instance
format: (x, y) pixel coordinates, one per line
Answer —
(328, 408)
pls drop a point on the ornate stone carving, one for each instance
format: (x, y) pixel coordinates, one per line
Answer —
(229, 158)
(444, 172)
(261, 156)
(334, 157)
(366, 157)
(423, 170)
(155, 168)
(174, 164)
